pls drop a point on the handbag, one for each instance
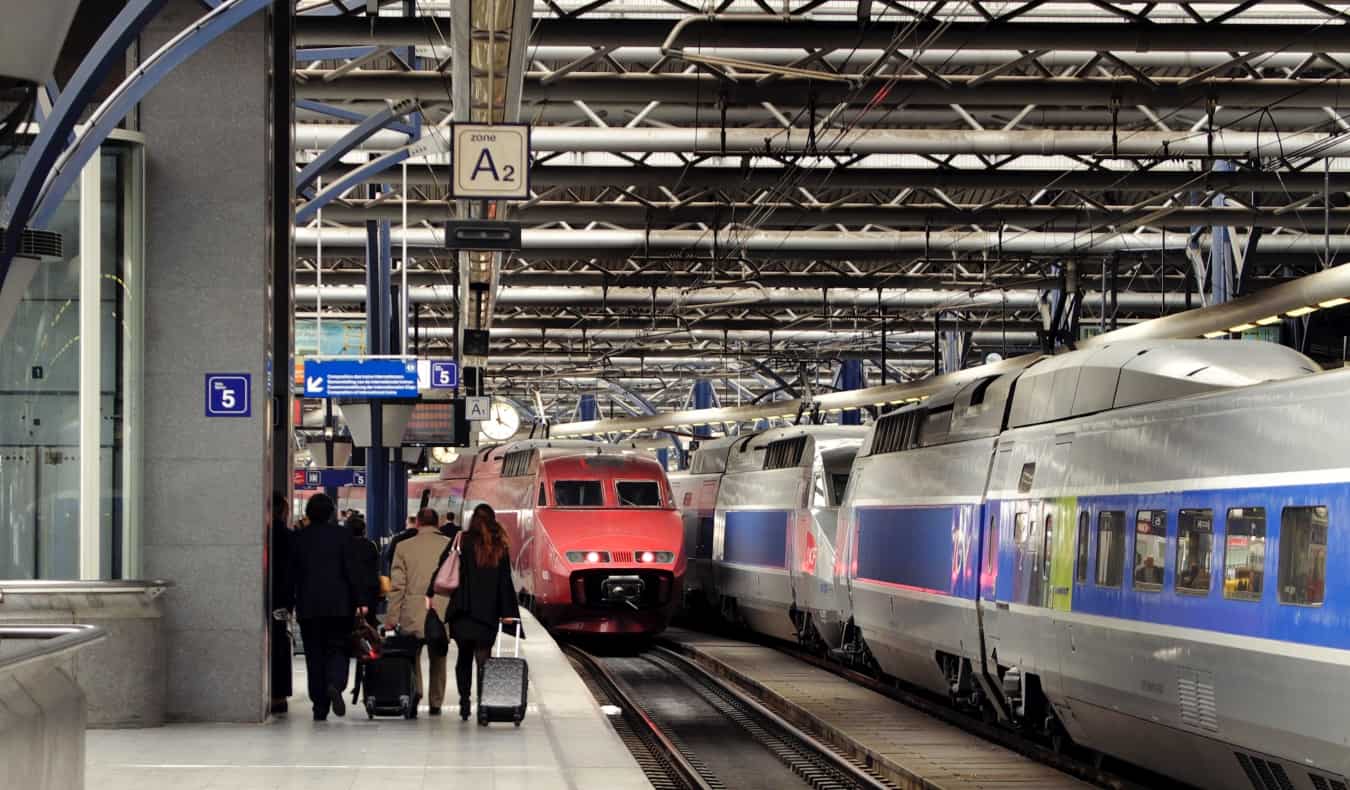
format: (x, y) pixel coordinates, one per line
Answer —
(365, 642)
(447, 576)
(437, 638)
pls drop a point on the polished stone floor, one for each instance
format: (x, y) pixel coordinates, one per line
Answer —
(565, 743)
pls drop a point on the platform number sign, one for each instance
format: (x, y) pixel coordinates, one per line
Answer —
(444, 375)
(491, 161)
(228, 395)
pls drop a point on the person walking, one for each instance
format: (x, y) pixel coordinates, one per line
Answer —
(486, 597)
(328, 592)
(450, 529)
(414, 569)
(367, 556)
(282, 596)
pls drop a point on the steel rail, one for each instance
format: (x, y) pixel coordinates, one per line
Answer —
(677, 760)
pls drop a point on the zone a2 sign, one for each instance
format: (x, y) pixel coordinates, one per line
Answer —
(491, 161)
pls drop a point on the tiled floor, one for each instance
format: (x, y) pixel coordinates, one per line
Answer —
(565, 743)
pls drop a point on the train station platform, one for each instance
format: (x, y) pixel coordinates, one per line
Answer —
(906, 746)
(566, 743)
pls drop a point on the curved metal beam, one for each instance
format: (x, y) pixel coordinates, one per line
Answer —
(134, 88)
(359, 134)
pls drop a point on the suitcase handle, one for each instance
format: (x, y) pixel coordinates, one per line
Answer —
(497, 648)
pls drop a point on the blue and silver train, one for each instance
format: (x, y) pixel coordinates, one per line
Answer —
(1133, 546)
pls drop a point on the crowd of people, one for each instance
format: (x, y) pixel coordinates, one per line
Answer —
(331, 576)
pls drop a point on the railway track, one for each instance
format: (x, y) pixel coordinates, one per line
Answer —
(690, 729)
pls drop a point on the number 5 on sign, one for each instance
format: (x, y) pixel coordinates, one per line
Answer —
(491, 161)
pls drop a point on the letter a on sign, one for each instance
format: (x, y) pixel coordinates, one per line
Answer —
(491, 161)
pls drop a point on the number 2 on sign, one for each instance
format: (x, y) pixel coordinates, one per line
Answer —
(485, 164)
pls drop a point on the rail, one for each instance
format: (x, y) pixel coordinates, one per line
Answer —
(152, 588)
(58, 641)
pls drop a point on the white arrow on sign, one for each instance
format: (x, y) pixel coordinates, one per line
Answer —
(314, 384)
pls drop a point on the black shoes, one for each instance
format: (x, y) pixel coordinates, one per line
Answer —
(279, 707)
(321, 717)
(339, 705)
(464, 710)
(435, 711)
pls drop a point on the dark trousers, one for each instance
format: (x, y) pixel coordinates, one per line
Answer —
(325, 657)
(281, 660)
(469, 654)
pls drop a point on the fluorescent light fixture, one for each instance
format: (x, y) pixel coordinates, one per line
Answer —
(1217, 333)
(1241, 327)
(1268, 320)
(1300, 311)
(1337, 302)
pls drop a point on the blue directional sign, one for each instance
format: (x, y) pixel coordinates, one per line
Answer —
(330, 478)
(229, 395)
(444, 374)
(360, 378)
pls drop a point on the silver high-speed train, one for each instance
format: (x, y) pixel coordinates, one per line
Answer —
(1137, 546)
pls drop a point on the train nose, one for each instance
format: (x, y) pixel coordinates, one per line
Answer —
(622, 590)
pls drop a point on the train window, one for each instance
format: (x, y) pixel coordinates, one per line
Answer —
(543, 497)
(638, 493)
(838, 486)
(1195, 551)
(1110, 548)
(1150, 549)
(1303, 555)
(991, 547)
(1027, 477)
(1020, 528)
(1084, 529)
(1244, 557)
(577, 493)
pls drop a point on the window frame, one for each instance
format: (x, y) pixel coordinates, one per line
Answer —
(1124, 549)
(599, 483)
(1280, 580)
(618, 498)
(1195, 592)
(1082, 548)
(1135, 584)
(1265, 537)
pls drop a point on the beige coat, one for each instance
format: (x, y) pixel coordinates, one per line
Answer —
(414, 566)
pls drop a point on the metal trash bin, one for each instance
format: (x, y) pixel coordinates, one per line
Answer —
(125, 677)
(42, 708)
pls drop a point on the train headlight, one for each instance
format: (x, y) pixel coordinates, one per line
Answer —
(588, 556)
(649, 557)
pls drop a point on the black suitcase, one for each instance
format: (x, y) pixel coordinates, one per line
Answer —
(503, 688)
(389, 686)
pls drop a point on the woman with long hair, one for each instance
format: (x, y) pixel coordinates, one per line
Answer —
(486, 596)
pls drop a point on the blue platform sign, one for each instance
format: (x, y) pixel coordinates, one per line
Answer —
(444, 374)
(228, 395)
(360, 378)
(330, 478)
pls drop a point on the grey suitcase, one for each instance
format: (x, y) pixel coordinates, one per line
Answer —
(504, 686)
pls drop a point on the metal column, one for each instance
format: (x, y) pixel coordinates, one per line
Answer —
(377, 343)
(91, 348)
(851, 377)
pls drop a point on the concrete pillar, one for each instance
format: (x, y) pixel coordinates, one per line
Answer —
(851, 377)
(208, 310)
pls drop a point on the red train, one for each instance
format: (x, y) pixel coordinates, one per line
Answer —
(597, 544)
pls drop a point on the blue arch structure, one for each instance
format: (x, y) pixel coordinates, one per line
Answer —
(50, 167)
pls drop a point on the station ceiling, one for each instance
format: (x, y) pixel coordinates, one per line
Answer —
(752, 190)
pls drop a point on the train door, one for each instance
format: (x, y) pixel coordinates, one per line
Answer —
(1060, 523)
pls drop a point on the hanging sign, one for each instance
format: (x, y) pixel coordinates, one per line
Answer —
(491, 161)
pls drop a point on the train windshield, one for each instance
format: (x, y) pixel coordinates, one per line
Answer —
(578, 493)
(638, 493)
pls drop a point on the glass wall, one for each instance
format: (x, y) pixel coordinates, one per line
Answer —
(43, 373)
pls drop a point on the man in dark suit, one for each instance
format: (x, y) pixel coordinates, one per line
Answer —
(328, 593)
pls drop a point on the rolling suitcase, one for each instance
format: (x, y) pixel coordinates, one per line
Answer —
(504, 686)
(389, 686)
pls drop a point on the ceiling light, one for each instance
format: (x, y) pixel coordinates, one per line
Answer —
(1337, 302)
(1268, 320)
(1217, 333)
(1241, 327)
(1300, 311)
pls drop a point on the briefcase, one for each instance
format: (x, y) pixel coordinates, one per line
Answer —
(504, 688)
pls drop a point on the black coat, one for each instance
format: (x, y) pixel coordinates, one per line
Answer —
(279, 565)
(484, 597)
(367, 556)
(387, 559)
(326, 573)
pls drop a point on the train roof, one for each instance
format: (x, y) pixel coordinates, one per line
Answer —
(747, 453)
(1075, 383)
